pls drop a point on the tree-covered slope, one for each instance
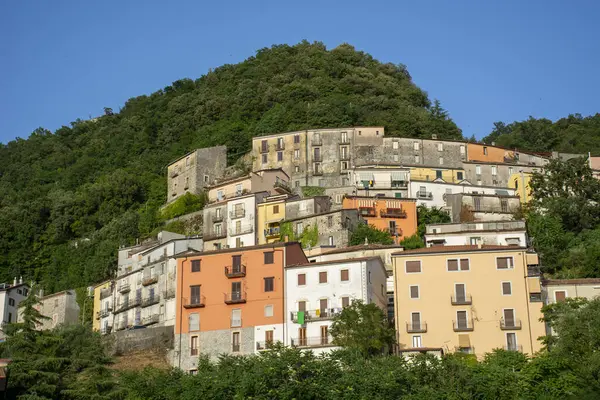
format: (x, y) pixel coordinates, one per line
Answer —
(573, 134)
(69, 198)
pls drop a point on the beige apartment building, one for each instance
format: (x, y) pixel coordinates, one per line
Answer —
(560, 289)
(471, 299)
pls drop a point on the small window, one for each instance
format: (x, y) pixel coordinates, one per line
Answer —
(276, 209)
(296, 138)
(484, 151)
(264, 159)
(395, 145)
(296, 154)
(441, 160)
(11, 302)
(414, 291)
(504, 263)
(560, 295)
(323, 277)
(269, 284)
(329, 221)
(345, 301)
(206, 178)
(417, 159)
(478, 169)
(416, 146)
(458, 264)
(506, 288)
(195, 265)
(302, 305)
(194, 322)
(194, 346)
(269, 310)
(459, 176)
(330, 241)
(494, 170)
(413, 267)
(345, 275)
(296, 168)
(9, 317)
(301, 279)
(440, 146)
(269, 257)
(296, 184)
(462, 149)
(438, 174)
(417, 342)
(280, 156)
(235, 342)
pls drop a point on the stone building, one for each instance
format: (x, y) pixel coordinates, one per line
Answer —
(382, 180)
(266, 180)
(494, 174)
(61, 309)
(469, 207)
(194, 171)
(334, 228)
(419, 152)
(298, 208)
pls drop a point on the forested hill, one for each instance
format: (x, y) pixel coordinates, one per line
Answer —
(68, 199)
(573, 134)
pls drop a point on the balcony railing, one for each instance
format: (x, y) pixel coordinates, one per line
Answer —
(148, 301)
(264, 148)
(106, 330)
(169, 293)
(105, 312)
(150, 320)
(416, 328)
(127, 305)
(266, 345)
(104, 293)
(424, 195)
(510, 325)
(149, 280)
(395, 231)
(464, 300)
(272, 232)
(212, 235)
(239, 213)
(217, 218)
(194, 302)
(124, 288)
(533, 270)
(317, 172)
(316, 315)
(393, 213)
(317, 341)
(280, 146)
(368, 212)
(235, 297)
(514, 347)
(463, 326)
(242, 231)
(237, 271)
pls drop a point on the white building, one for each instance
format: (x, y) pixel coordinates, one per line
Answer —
(384, 180)
(433, 193)
(316, 292)
(10, 297)
(241, 230)
(143, 293)
(503, 233)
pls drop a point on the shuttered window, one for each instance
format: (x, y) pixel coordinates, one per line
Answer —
(461, 264)
(504, 262)
(452, 265)
(414, 292)
(413, 266)
(345, 301)
(345, 275)
(301, 279)
(560, 295)
(506, 288)
(323, 277)
(464, 264)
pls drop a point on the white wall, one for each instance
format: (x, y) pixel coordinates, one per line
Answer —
(259, 333)
(248, 220)
(438, 189)
(496, 238)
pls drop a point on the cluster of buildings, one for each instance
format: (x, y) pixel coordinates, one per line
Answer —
(274, 263)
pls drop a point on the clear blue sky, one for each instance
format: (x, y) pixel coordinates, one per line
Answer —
(485, 60)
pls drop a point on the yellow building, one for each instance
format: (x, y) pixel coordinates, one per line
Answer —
(101, 291)
(520, 182)
(269, 215)
(431, 174)
(471, 299)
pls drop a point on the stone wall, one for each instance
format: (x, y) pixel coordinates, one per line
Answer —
(141, 339)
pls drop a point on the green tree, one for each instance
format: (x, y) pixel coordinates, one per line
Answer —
(433, 215)
(371, 234)
(364, 328)
(412, 242)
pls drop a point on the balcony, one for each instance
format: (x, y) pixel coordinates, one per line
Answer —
(513, 347)
(316, 141)
(239, 213)
(104, 293)
(236, 271)
(217, 218)
(533, 270)
(317, 341)
(235, 298)
(242, 231)
(510, 325)
(395, 231)
(169, 293)
(149, 301)
(280, 146)
(261, 346)
(105, 312)
(150, 320)
(194, 302)
(393, 213)
(416, 328)
(127, 305)
(264, 148)
(282, 187)
(212, 235)
(272, 232)
(106, 330)
(149, 280)
(424, 195)
(368, 211)
(464, 300)
(124, 288)
(316, 315)
(463, 326)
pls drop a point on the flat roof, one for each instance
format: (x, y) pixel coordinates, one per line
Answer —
(407, 199)
(458, 249)
(345, 261)
(358, 247)
(579, 281)
(191, 253)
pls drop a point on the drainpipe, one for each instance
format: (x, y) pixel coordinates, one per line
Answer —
(283, 301)
(527, 300)
(181, 309)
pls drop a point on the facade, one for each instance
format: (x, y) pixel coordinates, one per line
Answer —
(102, 291)
(559, 289)
(143, 292)
(502, 233)
(494, 174)
(433, 193)
(317, 292)
(499, 155)
(303, 207)
(10, 297)
(398, 216)
(437, 174)
(270, 180)
(61, 308)
(387, 181)
(195, 171)
(470, 207)
(471, 299)
(415, 152)
(269, 215)
(231, 301)
(520, 182)
(333, 228)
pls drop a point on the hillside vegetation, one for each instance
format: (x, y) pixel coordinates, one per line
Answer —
(69, 198)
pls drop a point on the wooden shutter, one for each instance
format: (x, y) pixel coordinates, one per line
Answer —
(323, 277)
(323, 305)
(269, 336)
(414, 292)
(345, 275)
(301, 279)
(560, 295)
(452, 265)
(459, 290)
(302, 306)
(509, 317)
(345, 301)
(461, 319)
(506, 288)
(413, 266)
(464, 264)
(416, 320)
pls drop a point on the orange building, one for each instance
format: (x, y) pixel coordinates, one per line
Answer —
(399, 216)
(485, 153)
(231, 300)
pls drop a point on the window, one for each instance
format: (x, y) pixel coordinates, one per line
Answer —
(462, 149)
(195, 265)
(238, 241)
(195, 294)
(299, 228)
(264, 158)
(460, 293)
(301, 279)
(441, 160)
(329, 221)
(268, 338)
(296, 184)
(511, 341)
(477, 203)
(296, 138)
(344, 166)
(484, 151)
(478, 169)
(396, 158)
(194, 322)
(417, 159)
(238, 189)
(416, 146)
(504, 263)
(264, 145)
(344, 152)
(317, 154)
(345, 301)
(276, 209)
(269, 284)
(369, 277)
(236, 318)
(413, 267)
(219, 195)
(506, 288)
(302, 305)
(510, 171)
(414, 291)
(236, 262)
(206, 178)
(296, 154)
(345, 275)
(456, 264)
(194, 346)
(297, 169)
(461, 320)
(11, 302)
(269, 257)
(416, 342)
(323, 277)
(330, 241)
(280, 143)
(560, 295)
(280, 156)
(438, 174)
(324, 334)
(459, 176)
(415, 319)
(235, 342)
(494, 170)
(509, 317)
(302, 337)
(440, 146)
(269, 310)
(504, 205)
(395, 145)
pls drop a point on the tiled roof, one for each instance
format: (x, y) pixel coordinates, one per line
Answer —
(580, 281)
(359, 247)
(458, 249)
(347, 260)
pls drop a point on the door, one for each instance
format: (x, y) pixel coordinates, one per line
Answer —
(236, 290)
(235, 342)
(195, 294)
(268, 339)
(323, 307)
(461, 319)
(237, 263)
(509, 317)
(301, 336)
(460, 292)
(416, 321)
(324, 334)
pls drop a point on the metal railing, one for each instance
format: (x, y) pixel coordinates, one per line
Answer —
(264, 148)
(315, 341)
(149, 280)
(416, 328)
(151, 300)
(127, 305)
(266, 345)
(510, 325)
(395, 231)
(124, 287)
(393, 213)
(316, 315)
(211, 235)
(533, 270)
(236, 271)
(424, 195)
(461, 300)
(280, 146)
(150, 320)
(242, 231)
(514, 347)
(463, 326)
(368, 211)
(235, 297)
(239, 213)
(105, 312)
(272, 232)
(194, 302)
(217, 218)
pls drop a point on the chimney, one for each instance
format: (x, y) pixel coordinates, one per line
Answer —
(366, 241)
(20, 280)
(15, 281)
(434, 136)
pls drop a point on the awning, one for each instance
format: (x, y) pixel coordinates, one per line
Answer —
(501, 192)
(399, 176)
(366, 176)
(464, 341)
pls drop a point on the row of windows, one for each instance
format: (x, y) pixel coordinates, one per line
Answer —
(458, 264)
(235, 318)
(460, 290)
(511, 343)
(463, 322)
(323, 277)
(236, 262)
